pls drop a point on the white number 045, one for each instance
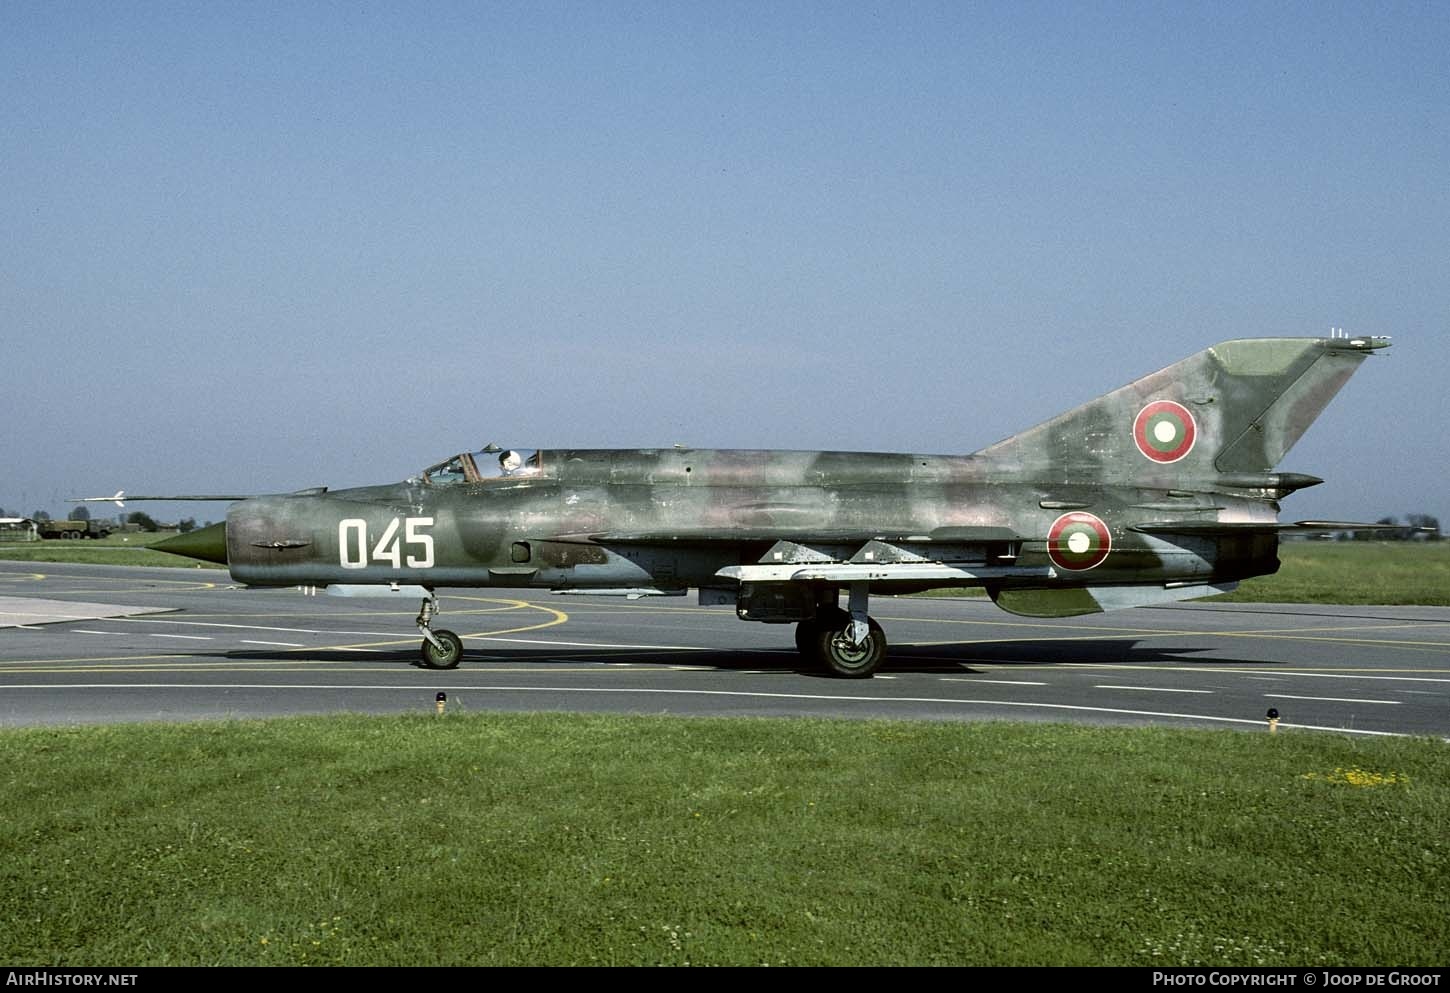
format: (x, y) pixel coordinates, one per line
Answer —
(352, 544)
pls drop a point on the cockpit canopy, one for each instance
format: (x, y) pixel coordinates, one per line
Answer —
(487, 464)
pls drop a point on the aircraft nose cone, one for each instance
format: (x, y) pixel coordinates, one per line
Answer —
(208, 544)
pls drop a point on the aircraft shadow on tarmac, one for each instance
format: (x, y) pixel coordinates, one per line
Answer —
(1101, 651)
(956, 658)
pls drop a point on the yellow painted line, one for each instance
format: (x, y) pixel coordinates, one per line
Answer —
(1362, 627)
(5, 666)
(507, 604)
(559, 618)
(1036, 625)
(410, 613)
(1251, 669)
(608, 608)
(1151, 633)
(1158, 632)
(397, 668)
(198, 667)
(1377, 642)
(214, 615)
(190, 584)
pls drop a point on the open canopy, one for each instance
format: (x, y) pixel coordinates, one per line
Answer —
(481, 466)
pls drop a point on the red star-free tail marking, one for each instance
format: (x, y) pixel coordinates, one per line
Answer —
(1078, 541)
(1164, 431)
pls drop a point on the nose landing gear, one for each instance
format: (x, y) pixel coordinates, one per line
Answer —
(440, 649)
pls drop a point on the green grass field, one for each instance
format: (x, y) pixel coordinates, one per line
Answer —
(530, 839)
(1363, 572)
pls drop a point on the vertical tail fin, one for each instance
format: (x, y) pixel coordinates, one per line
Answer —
(1235, 408)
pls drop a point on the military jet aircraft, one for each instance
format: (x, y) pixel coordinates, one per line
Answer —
(1163, 490)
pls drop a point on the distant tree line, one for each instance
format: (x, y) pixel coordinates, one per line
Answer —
(139, 518)
(1415, 527)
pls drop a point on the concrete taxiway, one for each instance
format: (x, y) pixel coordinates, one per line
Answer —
(222, 652)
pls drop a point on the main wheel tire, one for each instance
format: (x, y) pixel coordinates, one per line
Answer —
(450, 655)
(841, 658)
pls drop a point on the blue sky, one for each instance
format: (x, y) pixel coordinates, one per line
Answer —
(260, 247)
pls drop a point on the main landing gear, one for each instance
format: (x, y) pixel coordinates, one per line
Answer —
(847, 643)
(440, 649)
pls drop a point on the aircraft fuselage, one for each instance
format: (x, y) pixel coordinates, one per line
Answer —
(593, 519)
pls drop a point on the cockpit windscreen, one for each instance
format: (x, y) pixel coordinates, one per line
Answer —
(482, 466)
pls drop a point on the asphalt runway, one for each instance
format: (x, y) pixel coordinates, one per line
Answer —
(224, 652)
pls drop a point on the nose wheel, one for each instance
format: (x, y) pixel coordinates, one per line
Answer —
(440, 649)
(445, 654)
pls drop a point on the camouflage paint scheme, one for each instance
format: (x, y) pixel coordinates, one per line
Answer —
(1161, 490)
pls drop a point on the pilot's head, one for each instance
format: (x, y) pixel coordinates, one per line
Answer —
(509, 461)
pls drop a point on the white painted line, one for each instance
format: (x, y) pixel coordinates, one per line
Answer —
(652, 691)
(181, 637)
(215, 624)
(365, 634)
(1150, 689)
(1264, 679)
(1282, 673)
(274, 644)
(1326, 699)
(1390, 679)
(999, 682)
(79, 631)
